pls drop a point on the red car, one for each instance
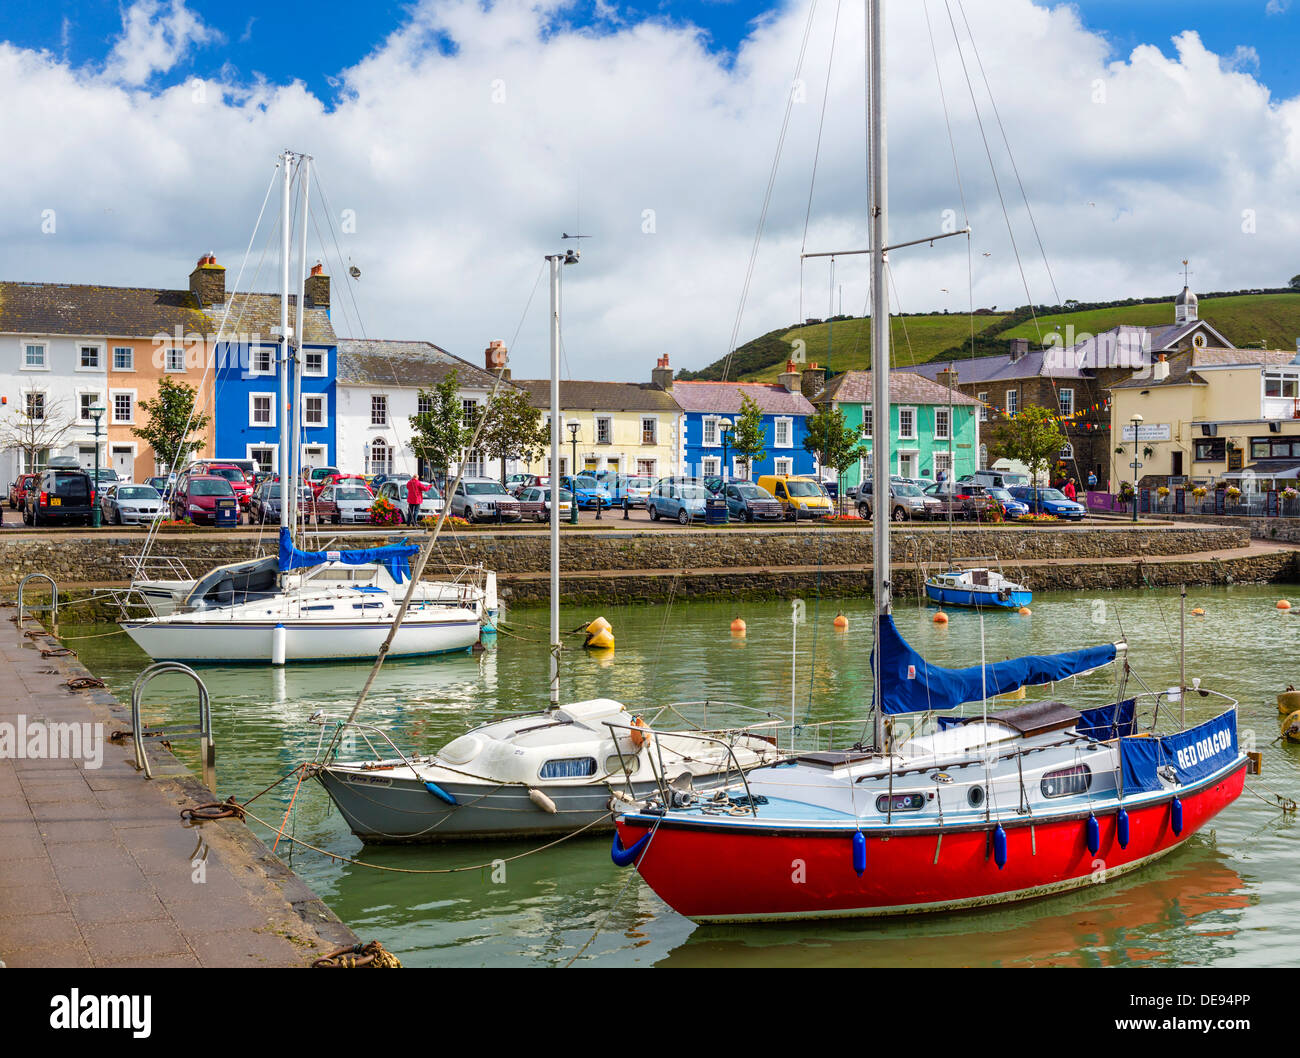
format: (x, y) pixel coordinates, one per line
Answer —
(18, 490)
(239, 482)
(197, 497)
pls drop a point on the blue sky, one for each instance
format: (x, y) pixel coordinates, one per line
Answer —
(313, 42)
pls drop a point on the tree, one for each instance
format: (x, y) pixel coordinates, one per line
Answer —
(1033, 438)
(748, 438)
(35, 430)
(514, 429)
(832, 441)
(1295, 283)
(172, 424)
(439, 434)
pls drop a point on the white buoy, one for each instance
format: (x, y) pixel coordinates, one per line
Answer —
(277, 645)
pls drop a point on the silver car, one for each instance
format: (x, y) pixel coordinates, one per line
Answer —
(395, 492)
(130, 504)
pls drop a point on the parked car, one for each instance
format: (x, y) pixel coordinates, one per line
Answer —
(164, 485)
(1049, 501)
(1011, 507)
(60, 496)
(748, 501)
(198, 497)
(265, 503)
(515, 483)
(675, 498)
(634, 488)
(239, 484)
(963, 499)
(588, 491)
(18, 490)
(799, 497)
(315, 476)
(107, 478)
(483, 500)
(347, 503)
(998, 479)
(535, 503)
(376, 480)
(128, 504)
(340, 479)
(906, 502)
(64, 463)
(395, 492)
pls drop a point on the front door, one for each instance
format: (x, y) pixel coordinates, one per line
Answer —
(86, 456)
(124, 462)
(1177, 469)
(907, 464)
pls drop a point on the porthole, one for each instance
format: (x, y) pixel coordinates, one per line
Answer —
(1066, 781)
(975, 796)
(912, 802)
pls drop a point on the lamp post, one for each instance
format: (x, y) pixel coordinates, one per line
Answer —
(1137, 422)
(573, 474)
(725, 426)
(96, 413)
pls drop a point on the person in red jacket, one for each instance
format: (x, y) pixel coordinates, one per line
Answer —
(1069, 489)
(414, 497)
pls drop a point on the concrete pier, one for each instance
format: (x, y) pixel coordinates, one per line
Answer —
(97, 867)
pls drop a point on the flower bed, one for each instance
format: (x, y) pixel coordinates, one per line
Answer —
(384, 512)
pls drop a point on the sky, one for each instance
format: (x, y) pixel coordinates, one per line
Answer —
(456, 140)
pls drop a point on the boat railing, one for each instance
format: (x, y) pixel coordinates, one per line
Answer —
(361, 729)
(1166, 714)
(702, 706)
(157, 567)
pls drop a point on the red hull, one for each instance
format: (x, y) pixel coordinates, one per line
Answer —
(732, 874)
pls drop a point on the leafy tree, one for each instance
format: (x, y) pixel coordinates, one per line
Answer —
(1033, 438)
(438, 435)
(171, 430)
(34, 430)
(832, 441)
(1295, 283)
(514, 429)
(748, 438)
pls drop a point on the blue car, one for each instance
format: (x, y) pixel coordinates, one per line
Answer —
(1011, 507)
(1049, 501)
(587, 491)
(683, 500)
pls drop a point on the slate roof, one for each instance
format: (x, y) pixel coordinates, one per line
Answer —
(905, 387)
(994, 369)
(725, 398)
(600, 396)
(90, 310)
(1182, 367)
(258, 313)
(414, 364)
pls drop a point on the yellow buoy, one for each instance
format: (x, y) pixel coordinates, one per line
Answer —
(598, 625)
(737, 627)
(1291, 727)
(841, 621)
(1282, 604)
(1288, 701)
(1013, 696)
(941, 618)
(601, 639)
(1024, 611)
(1198, 612)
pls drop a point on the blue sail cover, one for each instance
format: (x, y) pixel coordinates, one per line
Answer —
(1108, 721)
(396, 558)
(909, 684)
(1192, 754)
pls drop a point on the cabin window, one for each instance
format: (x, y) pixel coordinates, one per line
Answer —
(1066, 782)
(620, 764)
(909, 802)
(569, 768)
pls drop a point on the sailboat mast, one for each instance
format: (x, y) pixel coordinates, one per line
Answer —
(286, 161)
(877, 193)
(555, 261)
(296, 362)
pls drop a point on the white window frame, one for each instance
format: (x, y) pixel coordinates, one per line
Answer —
(84, 420)
(307, 398)
(252, 412)
(167, 360)
(740, 468)
(647, 468)
(653, 420)
(113, 394)
(788, 422)
(469, 411)
(942, 458)
(1064, 406)
(130, 358)
(324, 363)
(45, 404)
(867, 429)
(710, 422)
(386, 467)
(44, 365)
(983, 398)
(99, 358)
(382, 405)
(608, 420)
(909, 435)
(1067, 451)
(947, 433)
(273, 448)
(783, 466)
(711, 466)
(1012, 406)
(421, 399)
(261, 372)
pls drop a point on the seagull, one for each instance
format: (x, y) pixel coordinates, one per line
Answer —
(988, 253)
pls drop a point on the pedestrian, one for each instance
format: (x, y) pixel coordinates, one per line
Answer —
(415, 491)
(1092, 479)
(942, 476)
(1069, 489)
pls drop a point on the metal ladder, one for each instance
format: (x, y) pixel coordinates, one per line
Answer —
(54, 597)
(202, 730)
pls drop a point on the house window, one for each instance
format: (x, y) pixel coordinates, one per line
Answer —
(174, 360)
(34, 356)
(473, 464)
(35, 461)
(261, 409)
(942, 427)
(867, 425)
(123, 358)
(313, 362)
(263, 361)
(35, 406)
(263, 457)
(123, 408)
(907, 423)
(783, 466)
(712, 466)
(1281, 384)
(86, 401)
(1013, 402)
(604, 430)
(424, 405)
(469, 412)
(1067, 451)
(380, 458)
(710, 432)
(942, 462)
(1065, 399)
(89, 357)
(983, 398)
(378, 410)
(649, 431)
(313, 411)
(1213, 451)
(784, 432)
(645, 468)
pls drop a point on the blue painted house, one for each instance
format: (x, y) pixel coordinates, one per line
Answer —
(705, 406)
(247, 404)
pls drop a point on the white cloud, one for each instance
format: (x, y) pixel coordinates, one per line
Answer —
(155, 37)
(1276, 7)
(1242, 59)
(457, 196)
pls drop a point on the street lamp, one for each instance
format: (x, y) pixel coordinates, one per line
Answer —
(96, 413)
(1137, 422)
(573, 474)
(725, 426)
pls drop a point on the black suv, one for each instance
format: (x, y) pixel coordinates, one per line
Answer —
(59, 496)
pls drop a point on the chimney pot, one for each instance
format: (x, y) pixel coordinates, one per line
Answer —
(316, 288)
(208, 281)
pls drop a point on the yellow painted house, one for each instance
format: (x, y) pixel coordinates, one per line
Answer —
(1210, 414)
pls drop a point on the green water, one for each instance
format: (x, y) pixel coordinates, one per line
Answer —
(1230, 897)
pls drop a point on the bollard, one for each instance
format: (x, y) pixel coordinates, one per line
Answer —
(626, 508)
(599, 507)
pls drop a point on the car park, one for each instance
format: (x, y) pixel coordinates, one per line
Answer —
(264, 506)
(199, 497)
(906, 502)
(515, 483)
(535, 503)
(684, 500)
(799, 497)
(128, 504)
(395, 493)
(18, 490)
(315, 476)
(961, 500)
(483, 500)
(164, 484)
(748, 502)
(1011, 507)
(1049, 501)
(239, 483)
(60, 496)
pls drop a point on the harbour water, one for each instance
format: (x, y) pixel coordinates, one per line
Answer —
(1231, 897)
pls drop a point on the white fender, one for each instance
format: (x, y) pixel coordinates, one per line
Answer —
(541, 800)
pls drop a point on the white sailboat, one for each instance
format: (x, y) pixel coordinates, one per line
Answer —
(332, 605)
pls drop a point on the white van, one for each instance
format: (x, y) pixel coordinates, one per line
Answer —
(998, 479)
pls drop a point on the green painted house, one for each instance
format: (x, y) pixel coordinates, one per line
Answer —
(932, 427)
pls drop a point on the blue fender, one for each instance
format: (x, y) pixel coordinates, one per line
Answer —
(1093, 831)
(1000, 847)
(1121, 828)
(438, 791)
(859, 853)
(1176, 816)
(626, 857)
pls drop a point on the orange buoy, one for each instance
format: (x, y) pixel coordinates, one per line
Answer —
(941, 618)
(1198, 612)
(737, 627)
(1024, 611)
(841, 621)
(640, 734)
(1282, 604)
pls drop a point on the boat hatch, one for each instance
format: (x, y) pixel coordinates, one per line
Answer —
(1038, 718)
(833, 758)
(980, 577)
